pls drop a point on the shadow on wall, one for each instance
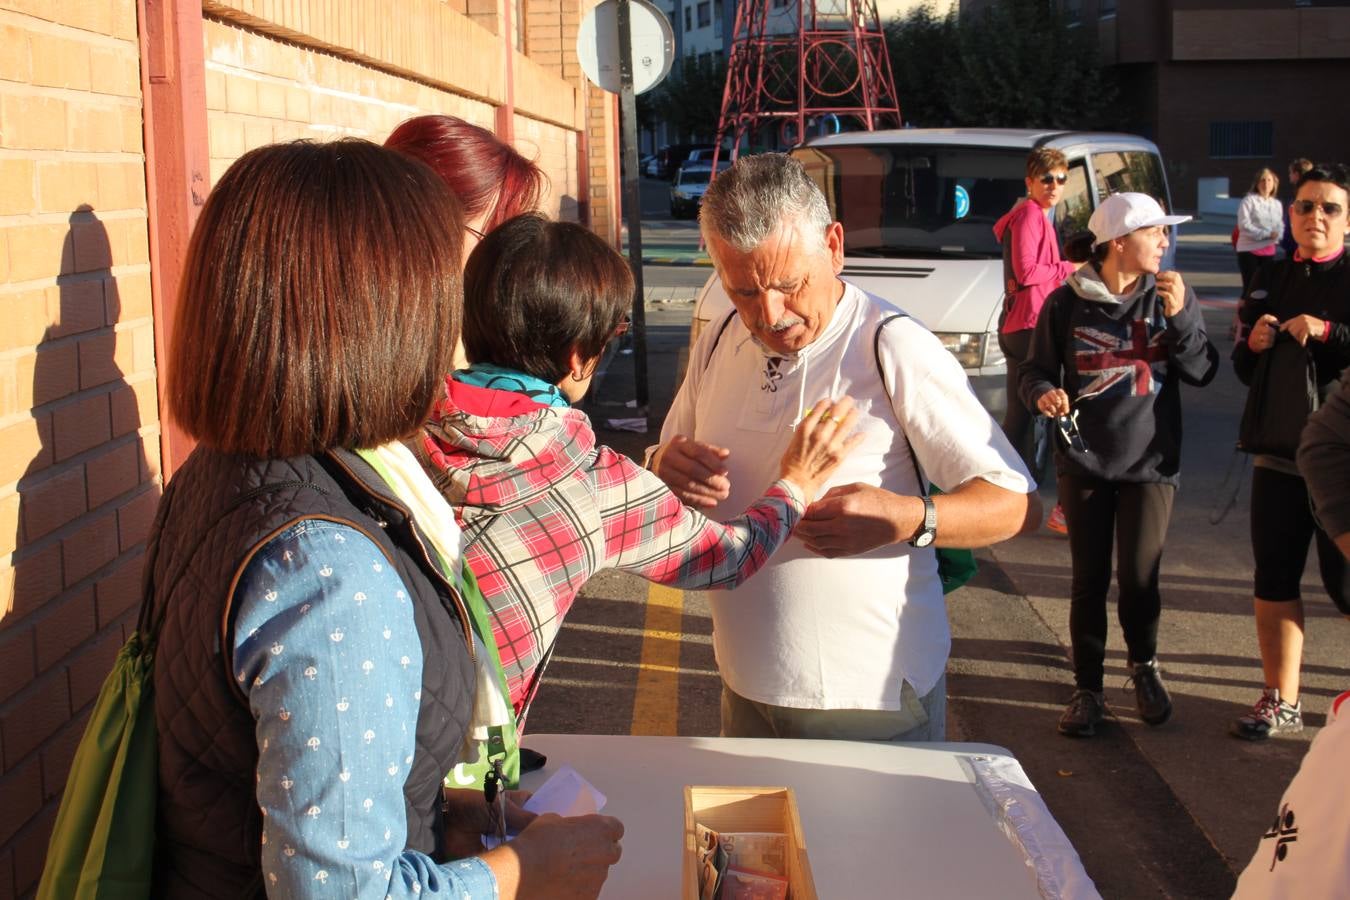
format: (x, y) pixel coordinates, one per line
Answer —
(84, 502)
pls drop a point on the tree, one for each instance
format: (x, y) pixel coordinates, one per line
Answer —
(689, 100)
(1015, 64)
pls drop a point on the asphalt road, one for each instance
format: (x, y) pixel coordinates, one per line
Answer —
(1174, 811)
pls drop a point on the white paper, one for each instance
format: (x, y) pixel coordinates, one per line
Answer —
(565, 793)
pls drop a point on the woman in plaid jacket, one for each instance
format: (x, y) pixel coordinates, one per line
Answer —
(543, 507)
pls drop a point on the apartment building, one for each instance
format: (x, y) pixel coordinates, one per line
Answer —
(1225, 87)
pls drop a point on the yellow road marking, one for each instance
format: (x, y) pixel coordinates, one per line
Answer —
(656, 700)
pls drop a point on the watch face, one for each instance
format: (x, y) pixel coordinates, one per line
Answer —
(923, 540)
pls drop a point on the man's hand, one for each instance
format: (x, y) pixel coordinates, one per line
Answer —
(560, 858)
(854, 518)
(1305, 328)
(1172, 292)
(694, 471)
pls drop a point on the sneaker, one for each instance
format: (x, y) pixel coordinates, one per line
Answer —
(1056, 522)
(1150, 694)
(1270, 715)
(1083, 714)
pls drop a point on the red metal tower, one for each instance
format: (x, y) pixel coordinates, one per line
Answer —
(792, 62)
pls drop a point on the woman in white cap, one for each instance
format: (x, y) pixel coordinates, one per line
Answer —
(1109, 353)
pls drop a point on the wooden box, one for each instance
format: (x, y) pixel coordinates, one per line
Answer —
(735, 809)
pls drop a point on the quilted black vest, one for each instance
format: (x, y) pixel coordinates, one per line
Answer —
(217, 511)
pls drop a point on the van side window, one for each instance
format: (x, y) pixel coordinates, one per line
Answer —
(1072, 213)
(1133, 170)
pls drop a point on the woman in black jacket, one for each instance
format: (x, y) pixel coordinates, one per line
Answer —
(1109, 353)
(304, 570)
(1303, 300)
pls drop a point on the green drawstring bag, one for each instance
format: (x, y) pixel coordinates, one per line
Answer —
(103, 843)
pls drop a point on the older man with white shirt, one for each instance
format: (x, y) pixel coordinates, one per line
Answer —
(844, 633)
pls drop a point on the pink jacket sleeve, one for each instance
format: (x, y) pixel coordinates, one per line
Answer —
(1035, 257)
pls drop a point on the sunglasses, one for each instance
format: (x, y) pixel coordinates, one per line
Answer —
(1051, 178)
(1069, 433)
(475, 232)
(622, 328)
(1305, 208)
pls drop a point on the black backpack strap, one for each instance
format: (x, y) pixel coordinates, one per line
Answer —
(881, 373)
(718, 337)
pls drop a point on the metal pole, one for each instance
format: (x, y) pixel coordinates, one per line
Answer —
(632, 199)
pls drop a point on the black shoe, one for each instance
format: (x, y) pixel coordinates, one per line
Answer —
(1083, 714)
(1150, 694)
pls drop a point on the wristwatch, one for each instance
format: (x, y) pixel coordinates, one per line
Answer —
(928, 530)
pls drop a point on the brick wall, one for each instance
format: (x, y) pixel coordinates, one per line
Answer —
(267, 82)
(260, 89)
(79, 452)
(80, 455)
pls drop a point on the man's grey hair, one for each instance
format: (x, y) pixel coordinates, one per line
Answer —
(759, 194)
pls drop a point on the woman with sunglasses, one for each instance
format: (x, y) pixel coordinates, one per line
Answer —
(543, 506)
(1032, 268)
(1111, 349)
(1303, 299)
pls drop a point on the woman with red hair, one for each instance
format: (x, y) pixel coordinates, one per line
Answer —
(492, 181)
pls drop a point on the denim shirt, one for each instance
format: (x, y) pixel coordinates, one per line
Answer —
(326, 651)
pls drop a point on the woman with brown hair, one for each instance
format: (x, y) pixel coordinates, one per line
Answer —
(543, 505)
(319, 674)
(1032, 269)
(1260, 225)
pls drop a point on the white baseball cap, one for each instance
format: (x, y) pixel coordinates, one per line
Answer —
(1119, 214)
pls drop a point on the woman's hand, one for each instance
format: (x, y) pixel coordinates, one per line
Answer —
(467, 819)
(820, 442)
(1053, 402)
(1172, 292)
(559, 858)
(1262, 336)
(1305, 328)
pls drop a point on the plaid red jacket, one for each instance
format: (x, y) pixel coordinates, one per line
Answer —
(543, 508)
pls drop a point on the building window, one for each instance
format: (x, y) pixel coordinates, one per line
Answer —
(1106, 9)
(717, 18)
(780, 4)
(1241, 140)
(688, 18)
(705, 13)
(1073, 11)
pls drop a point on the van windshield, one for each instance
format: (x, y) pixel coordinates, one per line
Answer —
(918, 200)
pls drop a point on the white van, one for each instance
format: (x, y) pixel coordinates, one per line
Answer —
(918, 207)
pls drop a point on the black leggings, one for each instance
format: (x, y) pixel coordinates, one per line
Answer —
(1249, 264)
(1282, 528)
(1016, 347)
(1136, 516)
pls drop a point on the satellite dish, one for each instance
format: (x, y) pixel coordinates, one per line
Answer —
(598, 45)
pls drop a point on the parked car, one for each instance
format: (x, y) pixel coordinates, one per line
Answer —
(651, 165)
(918, 208)
(686, 191)
(672, 157)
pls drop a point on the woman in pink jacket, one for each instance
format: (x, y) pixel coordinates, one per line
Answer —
(1032, 268)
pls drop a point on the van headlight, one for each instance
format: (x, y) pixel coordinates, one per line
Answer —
(680, 195)
(973, 351)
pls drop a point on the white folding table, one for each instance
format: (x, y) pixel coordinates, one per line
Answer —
(880, 820)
